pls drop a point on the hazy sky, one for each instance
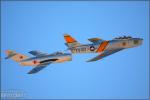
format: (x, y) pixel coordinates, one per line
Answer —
(40, 26)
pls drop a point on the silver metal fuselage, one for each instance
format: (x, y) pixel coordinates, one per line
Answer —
(54, 58)
(112, 44)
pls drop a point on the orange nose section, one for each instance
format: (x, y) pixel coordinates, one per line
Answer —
(102, 46)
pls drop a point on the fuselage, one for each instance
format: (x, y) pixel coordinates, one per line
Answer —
(54, 58)
(107, 45)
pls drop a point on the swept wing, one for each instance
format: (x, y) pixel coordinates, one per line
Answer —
(104, 54)
(40, 67)
(37, 53)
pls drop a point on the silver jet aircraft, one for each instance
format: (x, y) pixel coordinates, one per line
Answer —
(103, 47)
(40, 60)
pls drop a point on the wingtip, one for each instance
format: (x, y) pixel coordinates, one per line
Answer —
(88, 61)
(6, 57)
(30, 73)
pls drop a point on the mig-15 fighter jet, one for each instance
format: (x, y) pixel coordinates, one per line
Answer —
(40, 60)
(103, 47)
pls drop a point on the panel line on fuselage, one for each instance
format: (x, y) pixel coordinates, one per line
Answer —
(90, 48)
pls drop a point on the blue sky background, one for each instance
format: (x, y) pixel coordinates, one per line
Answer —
(40, 26)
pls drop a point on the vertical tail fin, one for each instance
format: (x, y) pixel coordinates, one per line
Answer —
(15, 56)
(70, 41)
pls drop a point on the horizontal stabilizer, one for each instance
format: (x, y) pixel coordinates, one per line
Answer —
(9, 56)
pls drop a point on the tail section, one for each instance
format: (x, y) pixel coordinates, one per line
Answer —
(15, 56)
(70, 41)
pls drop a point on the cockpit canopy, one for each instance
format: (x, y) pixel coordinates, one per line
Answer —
(57, 53)
(124, 37)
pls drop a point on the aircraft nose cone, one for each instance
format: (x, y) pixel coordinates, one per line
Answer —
(141, 40)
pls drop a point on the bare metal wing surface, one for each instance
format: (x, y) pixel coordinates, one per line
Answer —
(36, 69)
(104, 54)
(37, 53)
(40, 67)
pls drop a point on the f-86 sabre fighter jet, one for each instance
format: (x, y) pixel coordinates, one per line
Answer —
(40, 60)
(104, 47)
